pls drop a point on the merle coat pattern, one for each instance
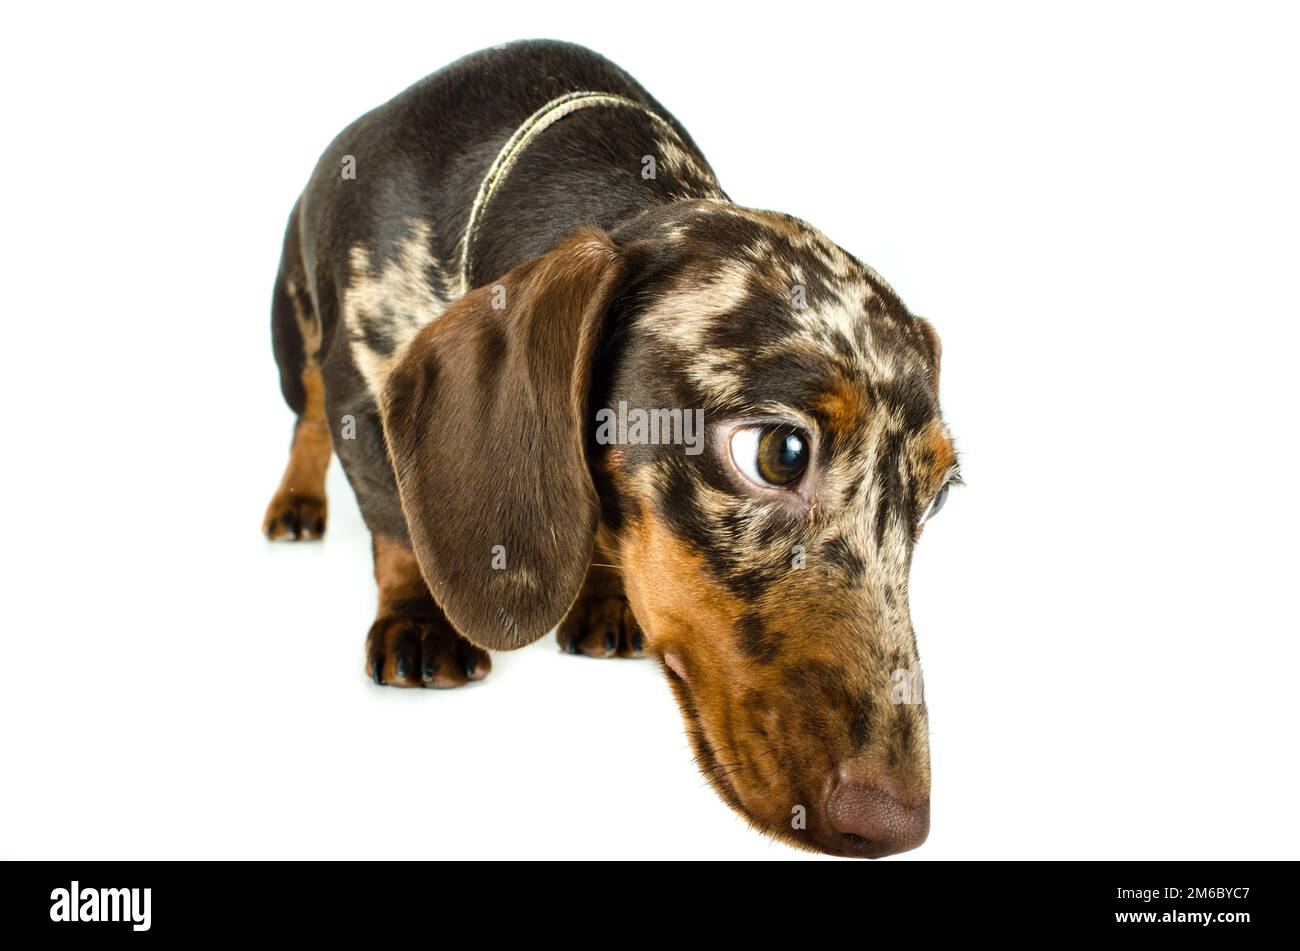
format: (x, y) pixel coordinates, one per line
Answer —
(464, 417)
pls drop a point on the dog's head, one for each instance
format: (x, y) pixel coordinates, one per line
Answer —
(765, 554)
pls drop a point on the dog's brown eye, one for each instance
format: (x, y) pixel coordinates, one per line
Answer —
(770, 455)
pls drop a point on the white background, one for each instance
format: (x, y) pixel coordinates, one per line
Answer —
(1096, 206)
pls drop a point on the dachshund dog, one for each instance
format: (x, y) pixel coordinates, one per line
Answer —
(505, 297)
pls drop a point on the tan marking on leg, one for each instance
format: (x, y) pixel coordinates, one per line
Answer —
(397, 573)
(298, 508)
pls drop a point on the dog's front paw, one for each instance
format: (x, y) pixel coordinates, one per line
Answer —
(405, 651)
(601, 625)
(294, 516)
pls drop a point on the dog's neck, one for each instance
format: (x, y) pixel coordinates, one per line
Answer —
(583, 158)
(528, 132)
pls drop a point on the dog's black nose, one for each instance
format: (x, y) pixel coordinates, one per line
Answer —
(872, 822)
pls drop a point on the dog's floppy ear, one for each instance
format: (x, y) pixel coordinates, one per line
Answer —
(485, 419)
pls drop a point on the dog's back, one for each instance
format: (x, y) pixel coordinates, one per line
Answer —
(422, 157)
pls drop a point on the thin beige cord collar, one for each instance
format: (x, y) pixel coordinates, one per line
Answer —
(533, 126)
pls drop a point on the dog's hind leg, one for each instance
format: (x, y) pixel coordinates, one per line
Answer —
(298, 509)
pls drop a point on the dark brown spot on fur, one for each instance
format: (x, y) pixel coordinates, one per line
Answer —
(758, 640)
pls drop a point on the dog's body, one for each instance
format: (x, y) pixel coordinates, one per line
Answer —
(524, 238)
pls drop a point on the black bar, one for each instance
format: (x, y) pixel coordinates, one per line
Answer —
(1218, 901)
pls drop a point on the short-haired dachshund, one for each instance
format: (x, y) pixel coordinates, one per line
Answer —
(576, 388)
